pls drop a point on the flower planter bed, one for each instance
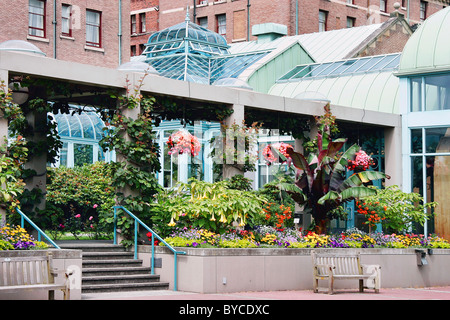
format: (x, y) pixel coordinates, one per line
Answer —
(62, 259)
(211, 270)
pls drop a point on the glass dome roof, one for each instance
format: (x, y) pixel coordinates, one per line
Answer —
(137, 66)
(186, 36)
(428, 49)
(232, 83)
(86, 126)
(20, 46)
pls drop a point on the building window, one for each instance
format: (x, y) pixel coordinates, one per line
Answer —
(36, 18)
(430, 93)
(133, 51)
(133, 24)
(221, 24)
(430, 177)
(93, 28)
(423, 10)
(203, 22)
(142, 23)
(350, 1)
(202, 2)
(350, 22)
(322, 20)
(66, 18)
(383, 5)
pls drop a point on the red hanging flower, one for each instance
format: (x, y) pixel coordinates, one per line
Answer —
(362, 161)
(280, 146)
(182, 141)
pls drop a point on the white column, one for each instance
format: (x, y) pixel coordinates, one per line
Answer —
(393, 156)
(237, 117)
(3, 134)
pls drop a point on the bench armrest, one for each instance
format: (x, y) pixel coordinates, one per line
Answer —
(56, 271)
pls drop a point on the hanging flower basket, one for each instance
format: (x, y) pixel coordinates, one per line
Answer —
(362, 162)
(280, 146)
(183, 142)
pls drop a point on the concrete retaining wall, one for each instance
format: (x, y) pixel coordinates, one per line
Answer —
(62, 260)
(236, 270)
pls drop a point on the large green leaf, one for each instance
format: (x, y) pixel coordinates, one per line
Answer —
(357, 179)
(357, 193)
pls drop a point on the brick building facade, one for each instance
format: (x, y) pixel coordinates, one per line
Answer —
(144, 20)
(235, 18)
(84, 31)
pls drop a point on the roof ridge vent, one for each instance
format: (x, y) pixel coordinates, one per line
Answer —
(267, 32)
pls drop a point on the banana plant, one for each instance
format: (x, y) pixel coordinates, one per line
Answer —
(322, 177)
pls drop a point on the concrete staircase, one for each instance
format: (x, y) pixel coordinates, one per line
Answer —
(110, 268)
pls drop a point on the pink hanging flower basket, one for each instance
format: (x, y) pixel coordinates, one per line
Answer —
(362, 162)
(183, 142)
(280, 146)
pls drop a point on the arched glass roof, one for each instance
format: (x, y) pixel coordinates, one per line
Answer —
(186, 37)
(86, 126)
(428, 49)
(365, 83)
(189, 52)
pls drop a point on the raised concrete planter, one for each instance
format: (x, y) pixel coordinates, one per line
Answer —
(62, 260)
(237, 270)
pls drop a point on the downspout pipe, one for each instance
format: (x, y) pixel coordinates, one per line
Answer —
(194, 15)
(296, 17)
(248, 20)
(120, 32)
(54, 29)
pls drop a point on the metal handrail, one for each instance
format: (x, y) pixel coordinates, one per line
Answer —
(136, 222)
(40, 232)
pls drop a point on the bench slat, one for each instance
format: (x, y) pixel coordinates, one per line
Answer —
(21, 273)
(337, 266)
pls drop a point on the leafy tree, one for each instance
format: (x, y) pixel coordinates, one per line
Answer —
(321, 174)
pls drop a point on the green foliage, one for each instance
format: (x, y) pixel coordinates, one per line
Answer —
(401, 208)
(87, 191)
(321, 174)
(212, 206)
(239, 182)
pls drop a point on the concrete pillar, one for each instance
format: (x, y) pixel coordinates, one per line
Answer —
(38, 162)
(237, 117)
(393, 156)
(3, 134)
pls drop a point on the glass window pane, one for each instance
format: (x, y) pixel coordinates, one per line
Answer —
(438, 176)
(416, 141)
(63, 155)
(437, 92)
(416, 94)
(83, 154)
(437, 140)
(417, 177)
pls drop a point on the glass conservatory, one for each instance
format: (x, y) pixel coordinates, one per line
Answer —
(189, 52)
(80, 134)
(425, 86)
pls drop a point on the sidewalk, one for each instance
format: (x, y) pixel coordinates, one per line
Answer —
(433, 293)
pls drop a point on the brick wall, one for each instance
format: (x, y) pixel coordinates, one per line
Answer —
(14, 17)
(148, 8)
(284, 12)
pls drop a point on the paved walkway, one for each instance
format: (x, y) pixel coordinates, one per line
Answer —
(434, 293)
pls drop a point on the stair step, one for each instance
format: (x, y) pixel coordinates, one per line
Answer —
(108, 255)
(110, 263)
(115, 271)
(116, 287)
(134, 278)
(107, 267)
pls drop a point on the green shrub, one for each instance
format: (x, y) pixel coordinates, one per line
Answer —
(79, 199)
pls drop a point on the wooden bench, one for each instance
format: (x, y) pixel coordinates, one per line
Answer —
(34, 272)
(332, 267)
